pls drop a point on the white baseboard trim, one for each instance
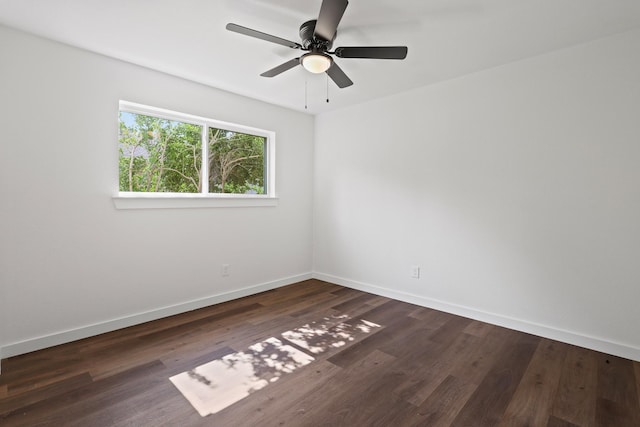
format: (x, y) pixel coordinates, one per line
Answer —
(546, 331)
(63, 337)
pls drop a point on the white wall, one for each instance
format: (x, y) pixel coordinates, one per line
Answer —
(68, 258)
(516, 190)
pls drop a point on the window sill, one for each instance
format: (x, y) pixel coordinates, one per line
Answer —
(182, 201)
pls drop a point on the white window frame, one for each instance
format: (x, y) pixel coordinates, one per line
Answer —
(165, 200)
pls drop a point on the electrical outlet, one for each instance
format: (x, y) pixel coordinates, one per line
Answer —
(224, 270)
(415, 272)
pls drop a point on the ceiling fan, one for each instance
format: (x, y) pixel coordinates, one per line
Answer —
(317, 38)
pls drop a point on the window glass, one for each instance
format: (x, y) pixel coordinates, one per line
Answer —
(236, 162)
(168, 152)
(159, 155)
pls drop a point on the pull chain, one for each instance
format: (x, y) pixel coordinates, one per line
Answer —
(327, 88)
(305, 92)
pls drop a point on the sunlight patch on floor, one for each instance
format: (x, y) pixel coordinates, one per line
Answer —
(222, 382)
(215, 385)
(318, 337)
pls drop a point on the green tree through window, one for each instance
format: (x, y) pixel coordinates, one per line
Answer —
(160, 155)
(236, 162)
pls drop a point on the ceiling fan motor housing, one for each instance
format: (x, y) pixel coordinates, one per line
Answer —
(307, 31)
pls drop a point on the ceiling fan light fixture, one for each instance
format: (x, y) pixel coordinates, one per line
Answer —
(316, 62)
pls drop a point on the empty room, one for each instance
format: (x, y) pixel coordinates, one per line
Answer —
(320, 213)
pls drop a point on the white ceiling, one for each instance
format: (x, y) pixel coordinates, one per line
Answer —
(446, 38)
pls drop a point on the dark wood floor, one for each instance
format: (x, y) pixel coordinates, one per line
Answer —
(422, 367)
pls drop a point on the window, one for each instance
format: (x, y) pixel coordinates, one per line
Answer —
(165, 154)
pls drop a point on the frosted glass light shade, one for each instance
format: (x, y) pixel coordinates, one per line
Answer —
(316, 62)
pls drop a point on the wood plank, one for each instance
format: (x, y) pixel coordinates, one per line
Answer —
(558, 422)
(286, 393)
(356, 395)
(453, 327)
(332, 335)
(243, 337)
(532, 402)
(344, 290)
(616, 379)
(464, 354)
(301, 307)
(108, 340)
(575, 399)
(473, 363)
(444, 404)
(354, 303)
(14, 404)
(610, 413)
(176, 364)
(429, 366)
(201, 335)
(617, 394)
(320, 303)
(389, 312)
(158, 402)
(171, 332)
(38, 364)
(390, 336)
(306, 289)
(43, 376)
(487, 404)
(636, 367)
(72, 401)
(479, 329)
(434, 318)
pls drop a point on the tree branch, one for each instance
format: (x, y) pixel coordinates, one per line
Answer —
(193, 181)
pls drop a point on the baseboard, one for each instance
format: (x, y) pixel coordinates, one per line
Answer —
(546, 331)
(136, 319)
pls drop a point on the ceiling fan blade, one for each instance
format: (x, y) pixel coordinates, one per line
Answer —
(281, 68)
(372, 52)
(330, 15)
(262, 36)
(338, 76)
